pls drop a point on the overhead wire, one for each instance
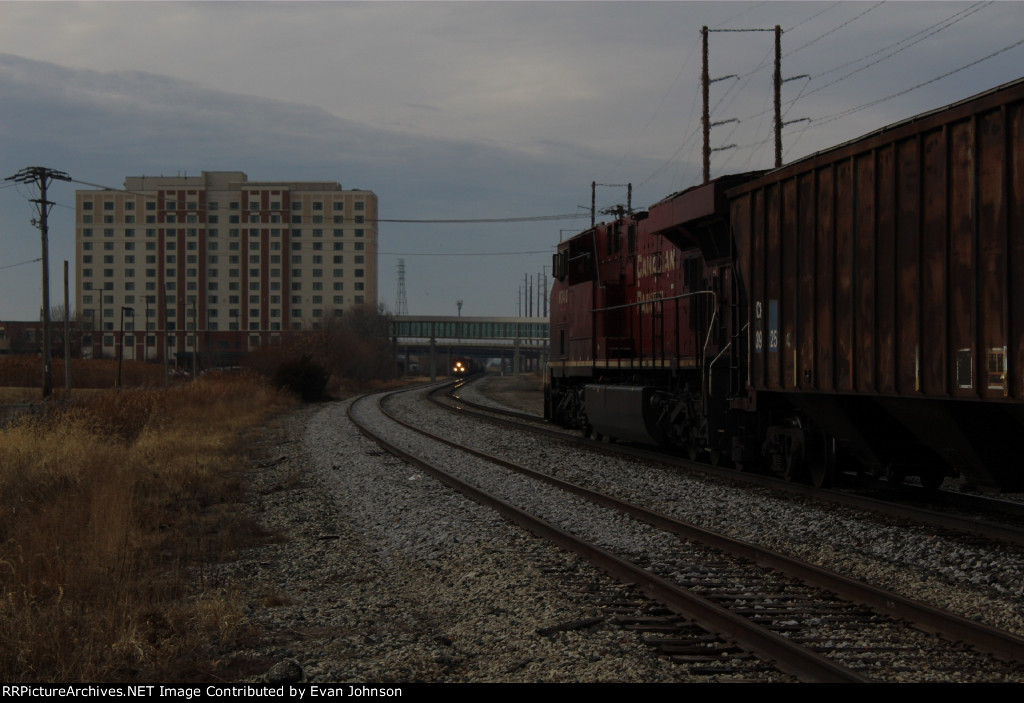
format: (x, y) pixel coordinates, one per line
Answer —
(834, 29)
(846, 113)
(464, 253)
(446, 221)
(21, 263)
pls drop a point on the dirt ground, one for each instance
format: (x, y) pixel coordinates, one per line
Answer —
(524, 392)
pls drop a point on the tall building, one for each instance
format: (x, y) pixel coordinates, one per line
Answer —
(216, 265)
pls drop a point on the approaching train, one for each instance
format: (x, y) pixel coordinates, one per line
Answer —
(861, 308)
(464, 366)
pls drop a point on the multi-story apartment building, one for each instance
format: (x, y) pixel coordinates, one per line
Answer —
(218, 265)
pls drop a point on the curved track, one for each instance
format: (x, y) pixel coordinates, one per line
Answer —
(798, 611)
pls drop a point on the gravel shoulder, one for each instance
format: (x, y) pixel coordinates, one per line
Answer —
(381, 575)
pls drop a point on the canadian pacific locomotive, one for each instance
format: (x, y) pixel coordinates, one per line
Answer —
(862, 307)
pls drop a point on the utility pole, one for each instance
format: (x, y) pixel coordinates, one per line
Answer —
(67, 335)
(705, 120)
(42, 177)
(778, 96)
(706, 81)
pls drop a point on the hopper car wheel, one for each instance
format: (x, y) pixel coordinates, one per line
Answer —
(823, 467)
(793, 460)
(693, 446)
(716, 457)
(932, 480)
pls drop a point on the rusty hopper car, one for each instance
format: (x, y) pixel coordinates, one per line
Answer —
(863, 306)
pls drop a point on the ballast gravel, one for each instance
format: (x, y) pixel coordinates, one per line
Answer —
(383, 575)
(975, 578)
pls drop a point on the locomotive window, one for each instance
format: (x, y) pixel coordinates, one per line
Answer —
(580, 268)
(560, 264)
(693, 273)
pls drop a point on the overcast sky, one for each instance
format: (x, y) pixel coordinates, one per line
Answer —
(455, 110)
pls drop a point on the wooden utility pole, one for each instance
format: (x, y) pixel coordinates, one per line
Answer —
(67, 335)
(778, 96)
(42, 177)
(706, 81)
(705, 120)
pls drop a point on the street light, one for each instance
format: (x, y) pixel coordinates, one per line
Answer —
(120, 349)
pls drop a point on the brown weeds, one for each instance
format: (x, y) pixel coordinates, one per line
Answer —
(107, 504)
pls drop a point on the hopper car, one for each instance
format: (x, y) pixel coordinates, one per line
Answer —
(858, 309)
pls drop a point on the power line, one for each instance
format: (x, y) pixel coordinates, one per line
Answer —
(20, 263)
(463, 253)
(951, 20)
(485, 220)
(834, 29)
(532, 218)
(845, 113)
(936, 28)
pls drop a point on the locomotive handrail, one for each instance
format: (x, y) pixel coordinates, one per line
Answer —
(705, 381)
(656, 300)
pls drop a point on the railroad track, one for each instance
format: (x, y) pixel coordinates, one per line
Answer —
(802, 628)
(979, 516)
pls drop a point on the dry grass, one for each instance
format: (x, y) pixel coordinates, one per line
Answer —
(107, 506)
(27, 372)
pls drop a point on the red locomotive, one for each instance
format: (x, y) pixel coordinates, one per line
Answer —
(863, 306)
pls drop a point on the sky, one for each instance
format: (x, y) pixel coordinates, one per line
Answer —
(456, 111)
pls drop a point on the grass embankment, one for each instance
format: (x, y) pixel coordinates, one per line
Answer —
(107, 506)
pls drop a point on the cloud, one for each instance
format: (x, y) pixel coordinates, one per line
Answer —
(101, 127)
